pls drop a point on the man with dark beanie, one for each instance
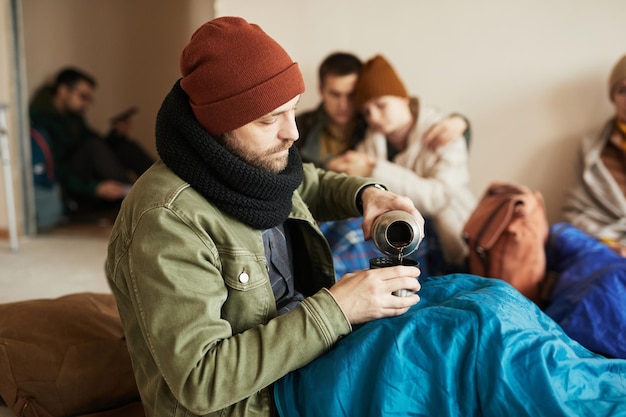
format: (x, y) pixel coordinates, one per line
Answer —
(223, 280)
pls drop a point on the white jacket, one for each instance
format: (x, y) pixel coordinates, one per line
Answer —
(437, 181)
(597, 205)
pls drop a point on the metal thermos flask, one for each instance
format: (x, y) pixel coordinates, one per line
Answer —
(396, 234)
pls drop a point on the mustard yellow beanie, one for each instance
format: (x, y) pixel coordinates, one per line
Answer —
(377, 78)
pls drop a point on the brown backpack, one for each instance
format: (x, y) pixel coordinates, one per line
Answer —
(506, 234)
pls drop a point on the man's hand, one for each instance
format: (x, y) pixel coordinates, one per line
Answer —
(352, 163)
(376, 202)
(444, 132)
(111, 190)
(122, 127)
(367, 295)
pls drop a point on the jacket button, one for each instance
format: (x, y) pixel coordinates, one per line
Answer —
(243, 278)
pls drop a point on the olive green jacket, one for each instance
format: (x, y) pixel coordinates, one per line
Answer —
(194, 295)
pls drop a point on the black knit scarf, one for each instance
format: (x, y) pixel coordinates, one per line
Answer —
(255, 196)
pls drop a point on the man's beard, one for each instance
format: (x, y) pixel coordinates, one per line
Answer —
(268, 161)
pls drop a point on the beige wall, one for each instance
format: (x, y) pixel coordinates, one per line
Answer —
(530, 75)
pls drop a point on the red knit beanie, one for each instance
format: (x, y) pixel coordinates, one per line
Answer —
(377, 79)
(234, 73)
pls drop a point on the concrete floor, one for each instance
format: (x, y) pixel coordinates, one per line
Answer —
(67, 260)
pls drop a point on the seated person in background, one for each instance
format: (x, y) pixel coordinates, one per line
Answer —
(393, 151)
(334, 127)
(91, 175)
(597, 204)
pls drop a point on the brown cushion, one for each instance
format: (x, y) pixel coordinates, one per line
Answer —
(65, 357)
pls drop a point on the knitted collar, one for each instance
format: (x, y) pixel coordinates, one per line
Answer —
(257, 197)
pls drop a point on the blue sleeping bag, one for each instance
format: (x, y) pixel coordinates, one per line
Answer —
(589, 297)
(471, 347)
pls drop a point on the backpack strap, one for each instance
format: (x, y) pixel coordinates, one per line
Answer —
(45, 149)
